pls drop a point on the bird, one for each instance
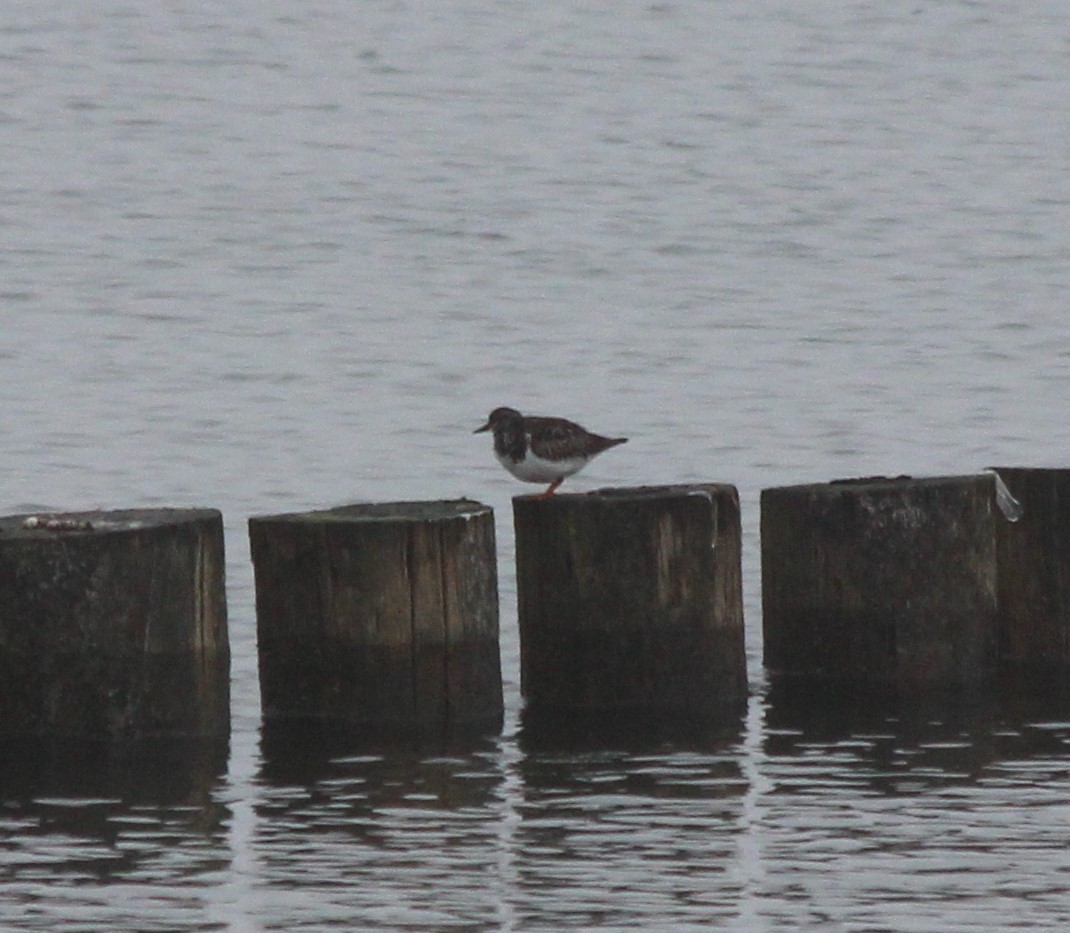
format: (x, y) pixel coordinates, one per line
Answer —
(543, 450)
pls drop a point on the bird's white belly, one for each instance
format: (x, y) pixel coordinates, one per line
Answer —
(534, 469)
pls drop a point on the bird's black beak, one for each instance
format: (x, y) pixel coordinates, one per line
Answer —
(485, 427)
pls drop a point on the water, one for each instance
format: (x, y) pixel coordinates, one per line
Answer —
(273, 256)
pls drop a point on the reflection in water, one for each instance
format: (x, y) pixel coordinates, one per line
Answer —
(398, 834)
(823, 809)
(550, 831)
(629, 821)
(308, 754)
(159, 771)
(87, 817)
(938, 736)
(876, 808)
(628, 731)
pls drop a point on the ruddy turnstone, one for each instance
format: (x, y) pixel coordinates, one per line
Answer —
(543, 450)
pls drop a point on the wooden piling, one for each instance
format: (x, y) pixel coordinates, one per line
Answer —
(888, 583)
(1034, 572)
(383, 615)
(114, 624)
(630, 602)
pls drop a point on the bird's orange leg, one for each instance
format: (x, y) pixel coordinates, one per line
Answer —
(553, 486)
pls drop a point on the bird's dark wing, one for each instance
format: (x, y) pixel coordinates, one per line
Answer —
(555, 438)
(559, 438)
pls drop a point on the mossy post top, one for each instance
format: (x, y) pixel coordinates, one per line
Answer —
(36, 525)
(881, 483)
(637, 493)
(394, 512)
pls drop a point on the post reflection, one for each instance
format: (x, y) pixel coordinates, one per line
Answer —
(80, 817)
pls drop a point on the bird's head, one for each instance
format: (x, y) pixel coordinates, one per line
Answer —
(500, 418)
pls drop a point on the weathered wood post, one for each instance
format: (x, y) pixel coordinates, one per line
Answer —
(114, 624)
(1034, 572)
(381, 615)
(888, 583)
(630, 601)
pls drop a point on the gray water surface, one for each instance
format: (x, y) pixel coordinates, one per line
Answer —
(274, 256)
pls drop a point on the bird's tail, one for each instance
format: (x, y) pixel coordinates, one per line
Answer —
(604, 443)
